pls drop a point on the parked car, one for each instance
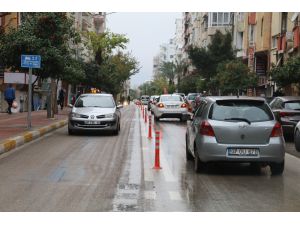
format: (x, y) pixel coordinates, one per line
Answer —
(297, 137)
(287, 111)
(191, 100)
(93, 112)
(152, 101)
(181, 94)
(235, 129)
(145, 99)
(171, 106)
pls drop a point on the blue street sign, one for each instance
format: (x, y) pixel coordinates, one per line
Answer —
(31, 61)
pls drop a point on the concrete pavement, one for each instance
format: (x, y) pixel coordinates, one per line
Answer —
(14, 131)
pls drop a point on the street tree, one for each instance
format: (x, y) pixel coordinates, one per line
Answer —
(167, 69)
(288, 73)
(111, 68)
(48, 35)
(234, 76)
(207, 59)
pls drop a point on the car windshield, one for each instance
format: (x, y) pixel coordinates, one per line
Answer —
(169, 98)
(240, 110)
(95, 101)
(295, 105)
(144, 98)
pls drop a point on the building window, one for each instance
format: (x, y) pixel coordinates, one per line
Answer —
(262, 27)
(283, 22)
(274, 42)
(220, 19)
(251, 33)
(215, 19)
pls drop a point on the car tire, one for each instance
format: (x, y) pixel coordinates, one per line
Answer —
(116, 131)
(182, 119)
(277, 168)
(70, 131)
(297, 140)
(198, 165)
(255, 167)
(188, 154)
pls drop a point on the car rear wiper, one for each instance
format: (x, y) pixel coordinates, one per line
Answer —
(239, 119)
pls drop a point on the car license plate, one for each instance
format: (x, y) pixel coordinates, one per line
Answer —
(243, 152)
(92, 122)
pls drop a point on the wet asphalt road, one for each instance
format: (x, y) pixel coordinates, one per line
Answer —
(101, 172)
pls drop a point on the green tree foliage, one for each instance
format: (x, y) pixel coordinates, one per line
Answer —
(110, 67)
(207, 60)
(287, 74)
(104, 44)
(233, 76)
(46, 34)
(167, 69)
(188, 84)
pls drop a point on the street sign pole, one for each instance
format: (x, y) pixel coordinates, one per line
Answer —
(29, 98)
(30, 61)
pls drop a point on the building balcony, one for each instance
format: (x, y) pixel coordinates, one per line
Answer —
(296, 32)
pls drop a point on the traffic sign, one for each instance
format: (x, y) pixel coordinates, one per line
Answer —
(31, 61)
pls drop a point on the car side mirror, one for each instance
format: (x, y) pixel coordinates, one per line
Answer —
(119, 106)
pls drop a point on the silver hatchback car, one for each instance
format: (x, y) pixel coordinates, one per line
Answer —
(95, 112)
(235, 129)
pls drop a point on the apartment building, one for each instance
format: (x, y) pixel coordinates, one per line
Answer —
(285, 36)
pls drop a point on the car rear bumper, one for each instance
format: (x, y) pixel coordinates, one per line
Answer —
(171, 113)
(209, 150)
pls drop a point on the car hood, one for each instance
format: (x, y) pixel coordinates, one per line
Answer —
(93, 111)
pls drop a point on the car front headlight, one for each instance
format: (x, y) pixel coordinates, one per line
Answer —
(111, 115)
(75, 115)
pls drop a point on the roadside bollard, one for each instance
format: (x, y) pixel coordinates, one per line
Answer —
(146, 116)
(150, 128)
(157, 161)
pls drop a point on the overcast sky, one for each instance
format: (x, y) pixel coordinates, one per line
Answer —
(146, 32)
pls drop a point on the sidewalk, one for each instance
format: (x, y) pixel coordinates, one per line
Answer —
(14, 131)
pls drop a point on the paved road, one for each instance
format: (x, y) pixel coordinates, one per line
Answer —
(66, 173)
(115, 173)
(223, 187)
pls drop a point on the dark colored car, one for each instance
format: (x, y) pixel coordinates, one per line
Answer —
(297, 137)
(287, 111)
(190, 99)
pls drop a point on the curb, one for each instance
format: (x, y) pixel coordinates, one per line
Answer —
(11, 143)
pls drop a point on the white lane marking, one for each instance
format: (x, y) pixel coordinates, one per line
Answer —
(175, 196)
(148, 175)
(150, 195)
(169, 177)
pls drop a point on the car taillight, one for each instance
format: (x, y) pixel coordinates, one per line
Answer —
(183, 105)
(284, 114)
(160, 105)
(206, 129)
(277, 130)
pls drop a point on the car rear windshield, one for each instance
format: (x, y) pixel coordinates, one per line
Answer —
(170, 98)
(192, 97)
(295, 105)
(240, 110)
(145, 97)
(95, 101)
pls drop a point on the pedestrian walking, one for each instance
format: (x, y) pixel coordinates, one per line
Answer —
(9, 95)
(61, 98)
